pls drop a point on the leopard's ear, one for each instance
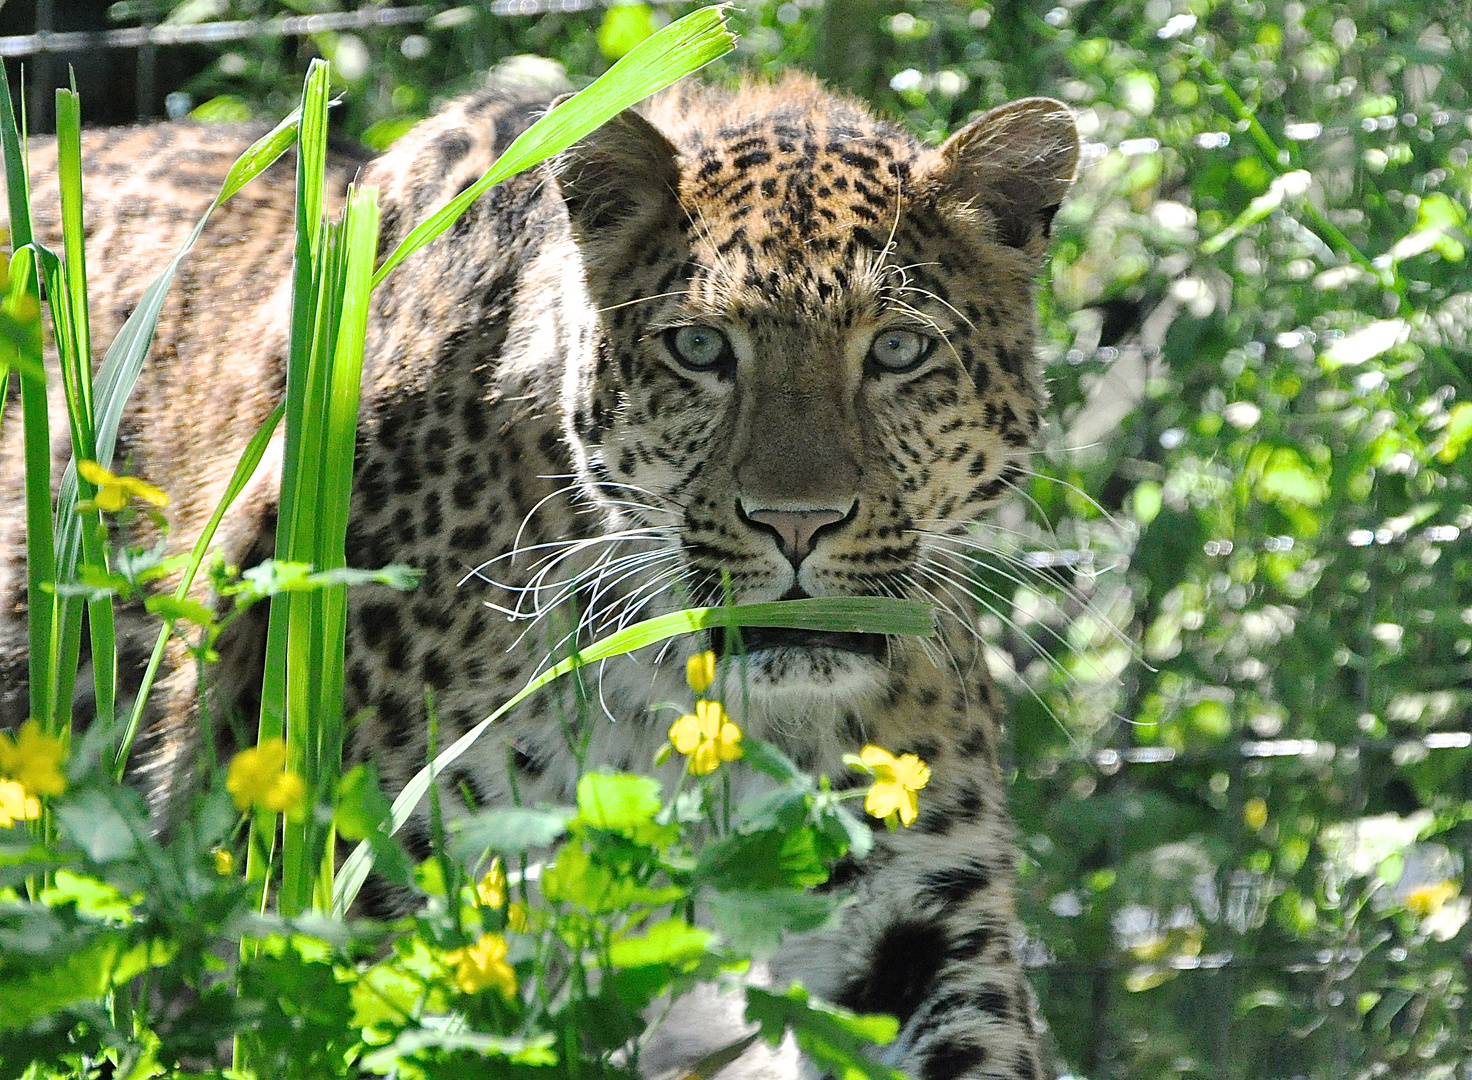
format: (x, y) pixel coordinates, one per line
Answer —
(1018, 162)
(620, 178)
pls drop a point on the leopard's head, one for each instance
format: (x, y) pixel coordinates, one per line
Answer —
(815, 349)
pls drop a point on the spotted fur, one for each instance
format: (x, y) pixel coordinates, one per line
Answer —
(529, 432)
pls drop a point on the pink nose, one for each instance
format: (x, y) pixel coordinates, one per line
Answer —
(795, 529)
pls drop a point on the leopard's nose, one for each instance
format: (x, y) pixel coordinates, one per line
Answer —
(795, 530)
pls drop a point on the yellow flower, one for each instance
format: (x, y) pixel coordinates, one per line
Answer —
(483, 965)
(492, 887)
(16, 805)
(1429, 899)
(896, 779)
(256, 776)
(224, 861)
(707, 737)
(1255, 814)
(700, 671)
(33, 760)
(115, 492)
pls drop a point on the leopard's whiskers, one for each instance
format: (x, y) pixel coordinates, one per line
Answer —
(950, 587)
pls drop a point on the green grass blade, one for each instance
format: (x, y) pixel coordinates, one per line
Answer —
(863, 615)
(69, 176)
(318, 619)
(40, 548)
(302, 688)
(664, 57)
(75, 354)
(17, 180)
(305, 285)
(245, 470)
(66, 615)
(359, 239)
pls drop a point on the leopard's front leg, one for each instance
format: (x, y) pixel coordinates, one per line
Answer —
(932, 939)
(931, 936)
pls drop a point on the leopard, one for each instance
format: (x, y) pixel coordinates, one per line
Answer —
(736, 345)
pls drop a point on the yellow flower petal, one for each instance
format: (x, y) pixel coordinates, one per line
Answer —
(1429, 899)
(1255, 814)
(114, 492)
(284, 793)
(141, 489)
(492, 888)
(16, 805)
(33, 760)
(95, 474)
(516, 917)
(483, 965)
(883, 799)
(110, 499)
(256, 778)
(685, 733)
(913, 773)
(700, 671)
(707, 737)
(896, 780)
(712, 715)
(876, 757)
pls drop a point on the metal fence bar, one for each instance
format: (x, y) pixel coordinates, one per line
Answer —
(45, 42)
(1109, 761)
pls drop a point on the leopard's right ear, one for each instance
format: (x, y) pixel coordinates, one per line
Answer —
(618, 180)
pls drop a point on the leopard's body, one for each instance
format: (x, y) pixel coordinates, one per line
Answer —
(676, 361)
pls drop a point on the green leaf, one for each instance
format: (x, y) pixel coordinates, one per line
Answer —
(1286, 478)
(673, 941)
(94, 898)
(361, 804)
(766, 859)
(754, 921)
(622, 804)
(537, 1050)
(579, 878)
(831, 1037)
(105, 823)
(88, 972)
(513, 830)
(768, 759)
(175, 607)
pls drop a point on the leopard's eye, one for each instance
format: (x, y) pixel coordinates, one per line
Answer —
(699, 348)
(898, 351)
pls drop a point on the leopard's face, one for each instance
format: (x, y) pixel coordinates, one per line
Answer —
(816, 353)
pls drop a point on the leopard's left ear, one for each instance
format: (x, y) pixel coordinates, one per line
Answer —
(620, 178)
(1018, 162)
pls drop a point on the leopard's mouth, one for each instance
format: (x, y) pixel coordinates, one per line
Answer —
(757, 638)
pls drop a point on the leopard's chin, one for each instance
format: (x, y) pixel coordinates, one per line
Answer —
(749, 640)
(794, 675)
